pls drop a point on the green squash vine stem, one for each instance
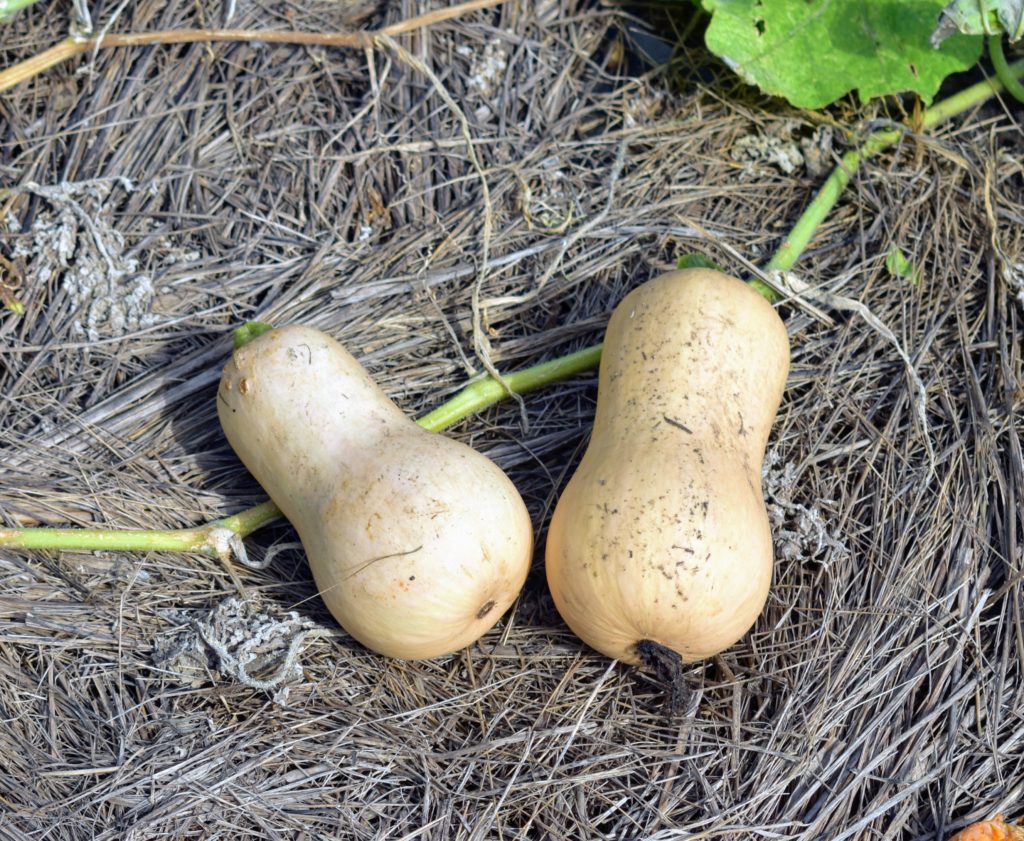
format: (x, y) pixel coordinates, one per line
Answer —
(221, 538)
(1003, 71)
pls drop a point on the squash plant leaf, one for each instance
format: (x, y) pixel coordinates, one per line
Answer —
(812, 52)
(981, 17)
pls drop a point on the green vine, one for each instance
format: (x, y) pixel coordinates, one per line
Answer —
(1004, 73)
(249, 331)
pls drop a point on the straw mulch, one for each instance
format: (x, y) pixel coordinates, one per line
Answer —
(164, 195)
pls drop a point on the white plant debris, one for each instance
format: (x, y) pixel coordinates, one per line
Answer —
(255, 645)
(74, 239)
(487, 69)
(800, 533)
(1013, 275)
(784, 149)
(643, 108)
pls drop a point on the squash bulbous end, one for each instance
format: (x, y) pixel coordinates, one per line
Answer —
(431, 602)
(425, 638)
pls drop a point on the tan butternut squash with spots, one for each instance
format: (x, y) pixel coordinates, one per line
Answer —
(661, 536)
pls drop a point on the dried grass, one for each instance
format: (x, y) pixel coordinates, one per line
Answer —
(879, 697)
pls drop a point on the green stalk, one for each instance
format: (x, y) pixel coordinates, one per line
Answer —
(249, 331)
(800, 236)
(208, 539)
(203, 540)
(970, 97)
(249, 520)
(183, 540)
(1003, 71)
(807, 225)
(485, 392)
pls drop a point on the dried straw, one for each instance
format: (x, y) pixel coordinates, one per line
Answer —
(880, 696)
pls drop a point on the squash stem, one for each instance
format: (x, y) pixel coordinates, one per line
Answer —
(487, 391)
(1003, 70)
(182, 540)
(210, 539)
(249, 331)
(667, 664)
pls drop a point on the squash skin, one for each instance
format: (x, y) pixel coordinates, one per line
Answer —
(417, 543)
(662, 533)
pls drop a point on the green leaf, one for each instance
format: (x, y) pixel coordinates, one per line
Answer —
(900, 266)
(981, 17)
(812, 52)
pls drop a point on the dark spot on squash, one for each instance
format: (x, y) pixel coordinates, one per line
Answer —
(487, 608)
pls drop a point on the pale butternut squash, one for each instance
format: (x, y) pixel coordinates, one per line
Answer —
(417, 543)
(661, 536)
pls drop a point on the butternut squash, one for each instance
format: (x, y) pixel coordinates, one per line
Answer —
(417, 543)
(661, 536)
